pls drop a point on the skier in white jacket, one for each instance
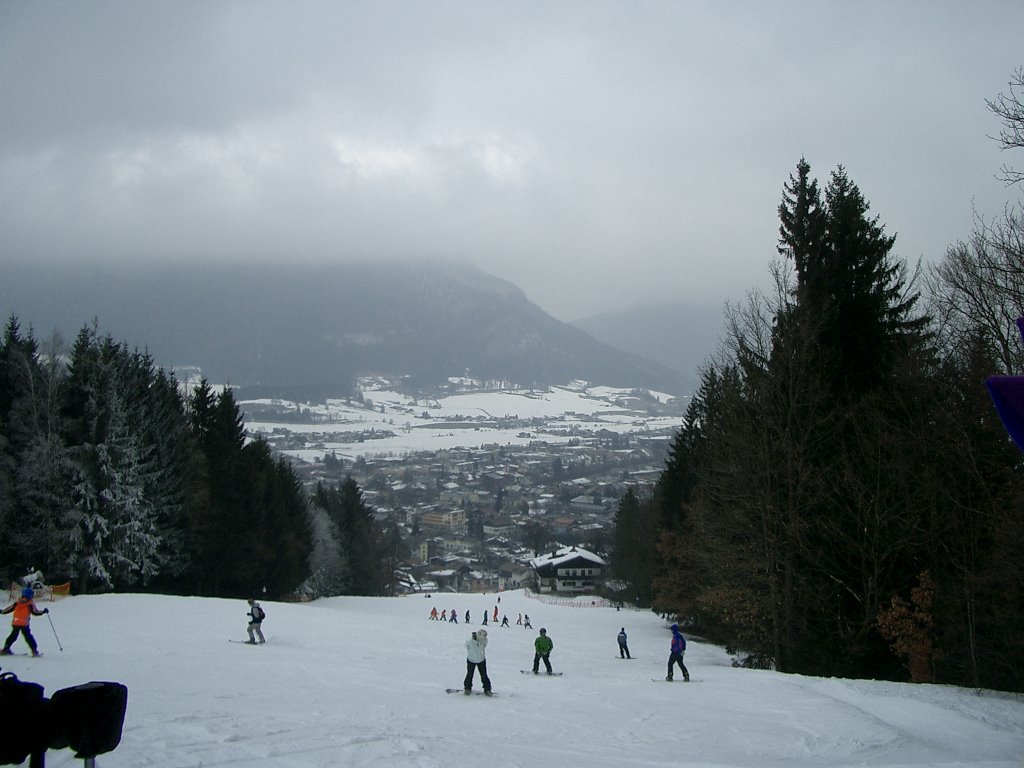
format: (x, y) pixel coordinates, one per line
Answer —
(476, 659)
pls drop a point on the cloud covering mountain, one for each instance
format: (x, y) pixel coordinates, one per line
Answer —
(312, 328)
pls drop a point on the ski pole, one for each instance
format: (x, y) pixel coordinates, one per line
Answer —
(54, 632)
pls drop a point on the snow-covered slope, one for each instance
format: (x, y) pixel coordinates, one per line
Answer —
(360, 682)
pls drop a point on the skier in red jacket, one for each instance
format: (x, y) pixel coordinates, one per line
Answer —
(24, 609)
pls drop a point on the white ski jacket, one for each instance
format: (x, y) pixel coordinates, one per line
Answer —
(475, 649)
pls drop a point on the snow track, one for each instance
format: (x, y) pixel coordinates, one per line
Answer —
(360, 682)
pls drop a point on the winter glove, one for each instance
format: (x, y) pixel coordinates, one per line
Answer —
(46, 610)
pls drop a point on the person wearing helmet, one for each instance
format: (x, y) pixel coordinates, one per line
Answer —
(542, 650)
(24, 609)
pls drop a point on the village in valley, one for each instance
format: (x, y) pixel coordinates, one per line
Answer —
(492, 487)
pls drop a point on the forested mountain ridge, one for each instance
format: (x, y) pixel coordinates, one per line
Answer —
(311, 329)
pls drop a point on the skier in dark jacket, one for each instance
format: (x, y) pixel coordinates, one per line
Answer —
(676, 651)
(256, 616)
(24, 609)
(623, 648)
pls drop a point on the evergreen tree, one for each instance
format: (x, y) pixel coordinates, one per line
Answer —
(787, 506)
(633, 546)
(848, 284)
(359, 538)
(225, 545)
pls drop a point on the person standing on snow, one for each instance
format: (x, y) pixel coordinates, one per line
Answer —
(256, 616)
(476, 659)
(676, 651)
(542, 650)
(623, 648)
(24, 609)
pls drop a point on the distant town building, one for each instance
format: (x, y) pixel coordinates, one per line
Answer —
(569, 569)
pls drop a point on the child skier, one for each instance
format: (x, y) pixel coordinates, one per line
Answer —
(542, 650)
(24, 609)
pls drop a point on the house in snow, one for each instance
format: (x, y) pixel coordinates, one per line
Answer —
(569, 569)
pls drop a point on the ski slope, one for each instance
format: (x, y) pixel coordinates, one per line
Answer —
(360, 682)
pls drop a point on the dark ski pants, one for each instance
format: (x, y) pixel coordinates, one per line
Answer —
(536, 662)
(474, 665)
(24, 633)
(623, 651)
(677, 658)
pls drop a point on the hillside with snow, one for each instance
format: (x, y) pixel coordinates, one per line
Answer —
(360, 682)
(392, 423)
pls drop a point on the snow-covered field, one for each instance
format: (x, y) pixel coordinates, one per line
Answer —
(463, 420)
(360, 682)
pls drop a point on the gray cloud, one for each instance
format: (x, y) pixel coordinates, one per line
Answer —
(592, 152)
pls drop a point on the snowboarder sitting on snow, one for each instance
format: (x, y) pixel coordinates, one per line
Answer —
(676, 651)
(542, 650)
(476, 658)
(623, 648)
(256, 616)
(24, 609)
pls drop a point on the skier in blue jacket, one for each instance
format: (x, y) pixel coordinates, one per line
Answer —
(676, 651)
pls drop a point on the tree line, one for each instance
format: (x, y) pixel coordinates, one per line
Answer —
(842, 498)
(115, 476)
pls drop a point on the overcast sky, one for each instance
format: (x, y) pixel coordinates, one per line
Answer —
(594, 153)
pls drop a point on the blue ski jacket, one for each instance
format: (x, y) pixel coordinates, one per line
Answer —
(678, 641)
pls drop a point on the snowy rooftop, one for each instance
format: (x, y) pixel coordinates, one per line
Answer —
(564, 555)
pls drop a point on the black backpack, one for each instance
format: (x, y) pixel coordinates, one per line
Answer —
(262, 613)
(23, 713)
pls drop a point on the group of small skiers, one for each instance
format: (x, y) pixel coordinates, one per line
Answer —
(476, 657)
(453, 618)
